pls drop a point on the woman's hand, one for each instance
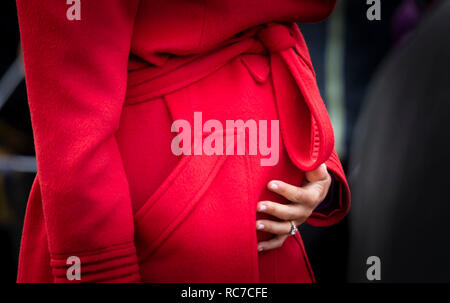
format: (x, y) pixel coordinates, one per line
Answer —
(304, 200)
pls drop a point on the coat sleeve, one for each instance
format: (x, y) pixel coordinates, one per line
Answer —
(338, 208)
(76, 73)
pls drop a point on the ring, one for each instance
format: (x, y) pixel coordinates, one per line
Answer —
(294, 229)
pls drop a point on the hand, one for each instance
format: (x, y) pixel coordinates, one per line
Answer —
(304, 200)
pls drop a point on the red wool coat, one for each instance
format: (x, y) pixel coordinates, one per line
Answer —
(103, 93)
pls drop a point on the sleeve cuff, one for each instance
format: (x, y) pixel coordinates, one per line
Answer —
(112, 264)
(339, 200)
(331, 197)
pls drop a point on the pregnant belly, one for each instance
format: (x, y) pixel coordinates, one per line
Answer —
(195, 214)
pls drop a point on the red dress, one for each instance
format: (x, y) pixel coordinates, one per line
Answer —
(103, 93)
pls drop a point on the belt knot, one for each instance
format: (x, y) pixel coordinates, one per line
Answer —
(276, 37)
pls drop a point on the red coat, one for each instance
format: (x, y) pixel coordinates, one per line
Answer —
(103, 92)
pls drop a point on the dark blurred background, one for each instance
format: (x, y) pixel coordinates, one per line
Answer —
(17, 163)
(385, 83)
(363, 72)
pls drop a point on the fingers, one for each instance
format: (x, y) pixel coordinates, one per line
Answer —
(311, 194)
(307, 195)
(277, 228)
(276, 242)
(304, 200)
(318, 174)
(285, 212)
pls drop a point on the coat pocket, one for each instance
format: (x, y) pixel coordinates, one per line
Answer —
(198, 226)
(169, 205)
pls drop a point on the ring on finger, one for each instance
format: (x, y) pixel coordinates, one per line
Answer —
(294, 228)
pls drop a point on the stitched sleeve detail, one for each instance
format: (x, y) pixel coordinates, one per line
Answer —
(117, 264)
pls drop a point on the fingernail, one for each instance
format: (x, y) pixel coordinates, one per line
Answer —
(262, 207)
(260, 226)
(274, 186)
(260, 248)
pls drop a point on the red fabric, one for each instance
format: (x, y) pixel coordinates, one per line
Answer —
(108, 188)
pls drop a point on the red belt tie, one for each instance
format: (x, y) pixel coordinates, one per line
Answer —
(304, 120)
(305, 126)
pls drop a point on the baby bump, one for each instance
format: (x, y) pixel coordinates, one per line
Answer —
(195, 212)
(146, 136)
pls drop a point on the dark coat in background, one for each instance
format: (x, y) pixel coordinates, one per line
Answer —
(399, 172)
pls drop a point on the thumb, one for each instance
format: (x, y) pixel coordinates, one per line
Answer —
(318, 174)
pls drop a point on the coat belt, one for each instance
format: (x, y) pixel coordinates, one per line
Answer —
(305, 126)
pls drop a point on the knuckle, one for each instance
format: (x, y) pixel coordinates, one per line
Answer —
(286, 214)
(280, 211)
(316, 196)
(292, 216)
(304, 214)
(268, 226)
(300, 213)
(271, 207)
(308, 199)
(282, 229)
(283, 215)
(298, 195)
(274, 209)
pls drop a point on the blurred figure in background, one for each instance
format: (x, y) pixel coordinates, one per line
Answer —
(398, 170)
(346, 50)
